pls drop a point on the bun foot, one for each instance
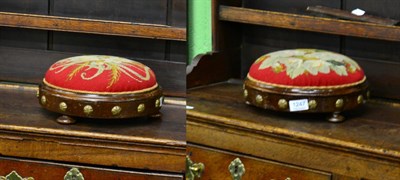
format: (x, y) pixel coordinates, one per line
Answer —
(65, 120)
(336, 117)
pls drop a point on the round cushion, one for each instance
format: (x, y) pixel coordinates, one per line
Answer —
(98, 86)
(305, 68)
(100, 74)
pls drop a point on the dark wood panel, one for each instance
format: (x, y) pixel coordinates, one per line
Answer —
(178, 13)
(385, 8)
(29, 66)
(177, 51)
(374, 49)
(45, 170)
(100, 44)
(150, 11)
(25, 6)
(382, 76)
(289, 6)
(216, 164)
(23, 38)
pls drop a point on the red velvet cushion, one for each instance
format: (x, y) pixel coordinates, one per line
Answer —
(306, 68)
(102, 74)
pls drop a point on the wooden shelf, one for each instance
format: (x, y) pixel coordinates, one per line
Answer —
(28, 129)
(373, 128)
(309, 23)
(91, 26)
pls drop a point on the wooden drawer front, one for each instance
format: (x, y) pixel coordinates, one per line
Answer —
(53, 171)
(216, 166)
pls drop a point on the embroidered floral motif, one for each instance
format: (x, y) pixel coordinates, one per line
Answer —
(116, 65)
(312, 61)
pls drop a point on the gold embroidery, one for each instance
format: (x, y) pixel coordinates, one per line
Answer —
(114, 64)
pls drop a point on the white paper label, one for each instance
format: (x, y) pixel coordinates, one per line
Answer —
(358, 12)
(298, 105)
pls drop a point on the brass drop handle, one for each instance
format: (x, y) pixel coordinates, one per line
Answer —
(236, 168)
(14, 176)
(193, 170)
(74, 174)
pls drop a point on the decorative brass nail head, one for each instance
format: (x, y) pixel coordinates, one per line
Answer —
(245, 93)
(87, 109)
(43, 100)
(157, 103)
(63, 106)
(140, 108)
(360, 99)
(339, 103)
(116, 110)
(282, 103)
(312, 104)
(259, 99)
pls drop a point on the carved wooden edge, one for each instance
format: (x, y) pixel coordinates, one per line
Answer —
(80, 25)
(309, 23)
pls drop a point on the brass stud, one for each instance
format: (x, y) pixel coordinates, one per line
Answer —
(140, 108)
(43, 100)
(339, 103)
(116, 110)
(312, 104)
(87, 109)
(360, 99)
(259, 99)
(63, 106)
(157, 103)
(282, 103)
(245, 93)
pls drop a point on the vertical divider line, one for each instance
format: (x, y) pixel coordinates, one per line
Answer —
(342, 41)
(168, 22)
(50, 34)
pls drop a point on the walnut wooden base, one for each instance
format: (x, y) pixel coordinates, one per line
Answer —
(104, 106)
(319, 100)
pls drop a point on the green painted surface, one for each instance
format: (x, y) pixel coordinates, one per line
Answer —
(199, 21)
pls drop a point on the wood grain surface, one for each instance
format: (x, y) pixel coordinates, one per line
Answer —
(366, 145)
(29, 131)
(42, 170)
(59, 23)
(216, 164)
